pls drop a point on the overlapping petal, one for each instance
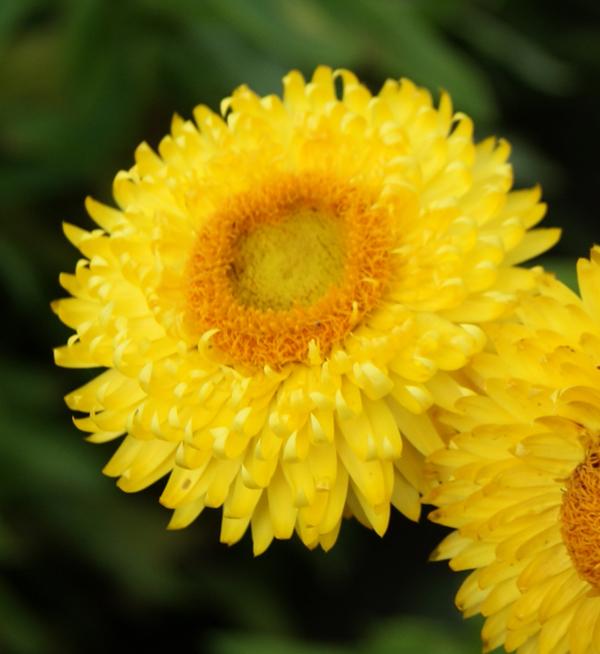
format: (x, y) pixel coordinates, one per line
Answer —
(517, 477)
(342, 430)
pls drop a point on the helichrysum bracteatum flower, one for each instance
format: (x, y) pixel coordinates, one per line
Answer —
(280, 295)
(520, 482)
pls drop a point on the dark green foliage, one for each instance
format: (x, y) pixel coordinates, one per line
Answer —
(82, 82)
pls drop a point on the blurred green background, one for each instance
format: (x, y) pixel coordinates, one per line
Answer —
(86, 568)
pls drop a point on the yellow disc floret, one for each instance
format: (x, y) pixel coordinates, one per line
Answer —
(289, 263)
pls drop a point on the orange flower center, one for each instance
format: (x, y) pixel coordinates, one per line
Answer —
(288, 268)
(580, 517)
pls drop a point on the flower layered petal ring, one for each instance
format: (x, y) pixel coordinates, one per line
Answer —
(521, 482)
(279, 298)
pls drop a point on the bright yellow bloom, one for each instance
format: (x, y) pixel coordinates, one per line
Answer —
(280, 294)
(521, 482)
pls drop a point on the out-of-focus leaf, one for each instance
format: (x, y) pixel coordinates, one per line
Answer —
(20, 631)
(532, 167)
(223, 47)
(408, 635)
(264, 614)
(9, 543)
(200, 83)
(564, 268)
(301, 33)
(126, 541)
(18, 275)
(25, 388)
(582, 43)
(405, 635)
(40, 466)
(404, 43)
(40, 452)
(23, 87)
(247, 643)
(512, 50)
(11, 13)
(19, 180)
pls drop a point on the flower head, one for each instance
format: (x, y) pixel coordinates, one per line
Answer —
(520, 482)
(280, 294)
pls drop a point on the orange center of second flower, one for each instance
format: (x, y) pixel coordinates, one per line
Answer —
(290, 265)
(580, 517)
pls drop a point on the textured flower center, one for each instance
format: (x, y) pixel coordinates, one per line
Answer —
(580, 517)
(292, 262)
(287, 269)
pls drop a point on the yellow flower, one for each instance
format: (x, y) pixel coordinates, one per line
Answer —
(279, 295)
(521, 481)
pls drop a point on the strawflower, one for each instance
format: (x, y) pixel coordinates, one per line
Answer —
(520, 479)
(280, 296)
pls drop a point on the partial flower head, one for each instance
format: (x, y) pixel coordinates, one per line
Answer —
(280, 294)
(520, 482)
